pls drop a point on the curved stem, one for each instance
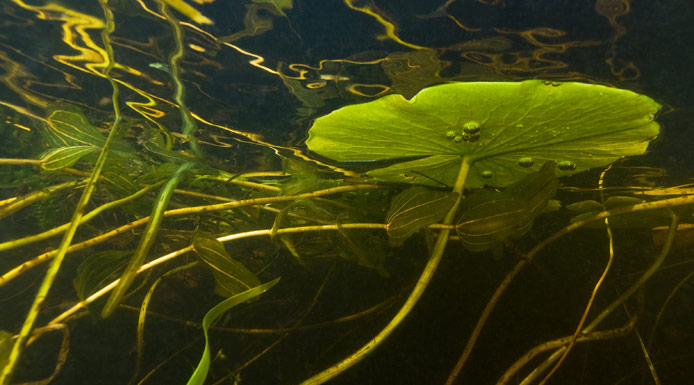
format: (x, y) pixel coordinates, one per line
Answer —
(607, 311)
(226, 238)
(52, 272)
(24, 267)
(491, 304)
(411, 301)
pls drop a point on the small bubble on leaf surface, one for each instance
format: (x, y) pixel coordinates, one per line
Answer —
(471, 138)
(471, 128)
(526, 162)
(566, 165)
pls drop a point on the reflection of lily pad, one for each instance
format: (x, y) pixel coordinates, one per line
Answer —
(506, 130)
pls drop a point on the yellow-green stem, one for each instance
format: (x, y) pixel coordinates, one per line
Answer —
(21, 340)
(422, 283)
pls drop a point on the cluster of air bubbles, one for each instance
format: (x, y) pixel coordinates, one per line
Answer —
(471, 133)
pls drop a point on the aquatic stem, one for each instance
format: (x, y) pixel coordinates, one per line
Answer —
(421, 285)
(617, 302)
(15, 272)
(12, 161)
(52, 272)
(146, 241)
(226, 238)
(188, 126)
(87, 217)
(12, 205)
(501, 288)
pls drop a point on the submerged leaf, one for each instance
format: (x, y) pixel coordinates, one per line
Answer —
(416, 208)
(98, 270)
(505, 129)
(65, 128)
(231, 276)
(62, 157)
(488, 217)
(200, 373)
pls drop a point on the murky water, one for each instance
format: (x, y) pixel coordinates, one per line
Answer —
(231, 88)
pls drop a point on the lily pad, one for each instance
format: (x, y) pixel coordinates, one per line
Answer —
(506, 130)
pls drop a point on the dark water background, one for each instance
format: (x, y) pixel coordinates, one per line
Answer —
(261, 70)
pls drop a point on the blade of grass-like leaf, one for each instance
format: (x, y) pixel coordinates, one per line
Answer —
(146, 241)
(198, 377)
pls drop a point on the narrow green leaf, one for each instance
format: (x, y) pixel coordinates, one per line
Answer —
(231, 276)
(146, 241)
(62, 157)
(200, 373)
(416, 208)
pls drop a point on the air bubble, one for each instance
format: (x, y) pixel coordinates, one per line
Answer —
(519, 125)
(458, 138)
(471, 138)
(486, 174)
(450, 135)
(526, 162)
(566, 165)
(471, 128)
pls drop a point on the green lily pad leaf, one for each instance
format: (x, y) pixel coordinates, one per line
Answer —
(62, 157)
(416, 208)
(231, 276)
(505, 129)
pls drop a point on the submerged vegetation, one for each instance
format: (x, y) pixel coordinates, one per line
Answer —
(140, 220)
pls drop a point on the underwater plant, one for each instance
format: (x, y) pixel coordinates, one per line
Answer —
(136, 228)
